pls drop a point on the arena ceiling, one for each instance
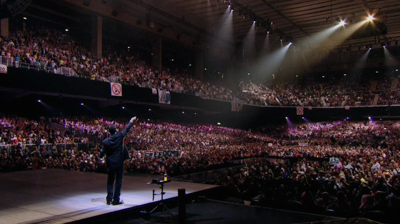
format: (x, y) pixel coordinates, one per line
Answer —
(296, 18)
(195, 21)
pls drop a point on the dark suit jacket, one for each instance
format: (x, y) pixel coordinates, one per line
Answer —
(115, 149)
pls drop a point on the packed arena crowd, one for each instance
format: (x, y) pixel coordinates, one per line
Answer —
(344, 167)
(51, 50)
(372, 141)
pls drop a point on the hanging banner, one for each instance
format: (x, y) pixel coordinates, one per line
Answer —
(3, 69)
(234, 106)
(164, 96)
(300, 110)
(116, 89)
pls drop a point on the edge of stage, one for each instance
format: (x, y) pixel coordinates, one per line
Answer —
(60, 196)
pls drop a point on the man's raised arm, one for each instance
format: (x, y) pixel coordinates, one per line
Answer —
(130, 124)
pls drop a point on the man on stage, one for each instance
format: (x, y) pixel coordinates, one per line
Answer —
(116, 153)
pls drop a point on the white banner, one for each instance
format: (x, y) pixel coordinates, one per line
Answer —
(164, 96)
(3, 69)
(116, 89)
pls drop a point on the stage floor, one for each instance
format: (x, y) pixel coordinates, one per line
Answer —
(60, 196)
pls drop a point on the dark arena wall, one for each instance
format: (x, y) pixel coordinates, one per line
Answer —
(21, 88)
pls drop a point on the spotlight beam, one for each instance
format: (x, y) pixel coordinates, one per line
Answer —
(266, 42)
(224, 33)
(318, 38)
(271, 63)
(249, 40)
(389, 58)
(361, 63)
(345, 33)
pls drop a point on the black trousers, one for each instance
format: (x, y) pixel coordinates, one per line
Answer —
(114, 175)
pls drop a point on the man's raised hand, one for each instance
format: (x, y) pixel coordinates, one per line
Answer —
(133, 119)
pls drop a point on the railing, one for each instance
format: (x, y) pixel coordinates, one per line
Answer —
(56, 70)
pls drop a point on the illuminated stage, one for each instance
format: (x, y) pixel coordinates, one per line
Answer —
(60, 196)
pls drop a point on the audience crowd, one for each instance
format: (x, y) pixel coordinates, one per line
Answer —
(54, 50)
(343, 167)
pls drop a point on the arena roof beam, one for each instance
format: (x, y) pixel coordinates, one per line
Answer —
(285, 17)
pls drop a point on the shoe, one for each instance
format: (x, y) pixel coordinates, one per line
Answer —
(108, 201)
(117, 202)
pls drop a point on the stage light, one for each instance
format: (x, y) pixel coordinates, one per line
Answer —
(342, 23)
(370, 118)
(302, 118)
(218, 123)
(82, 104)
(149, 109)
(66, 30)
(287, 118)
(183, 112)
(24, 18)
(370, 18)
(39, 101)
(123, 108)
